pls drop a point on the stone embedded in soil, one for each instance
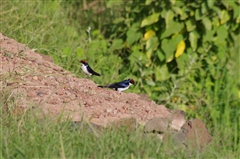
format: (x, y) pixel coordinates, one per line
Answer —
(193, 136)
(158, 125)
(197, 134)
(129, 124)
(178, 119)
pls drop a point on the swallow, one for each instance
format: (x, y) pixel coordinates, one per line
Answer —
(87, 69)
(120, 86)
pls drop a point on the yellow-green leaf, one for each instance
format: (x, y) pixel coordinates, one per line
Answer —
(149, 34)
(193, 38)
(150, 19)
(180, 49)
(207, 23)
(148, 2)
(151, 45)
(191, 24)
(224, 17)
(161, 73)
(238, 19)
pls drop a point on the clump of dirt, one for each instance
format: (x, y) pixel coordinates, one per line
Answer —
(48, 86)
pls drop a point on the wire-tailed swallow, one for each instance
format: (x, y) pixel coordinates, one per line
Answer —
(120, 86)
(87, 69)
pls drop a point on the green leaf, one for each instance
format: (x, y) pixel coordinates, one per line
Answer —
(132, 36)
(194, 4)
(204, 7)
(161, 73)
(173, 28)
(198, 14)
(208, 36)
(207, 23)
(193, 38)
(151, 45)
(147, 2)
(200, 50)
(150, 82)
(191, 24)
(184, 16)
(172, 2)
(221, 53)
(182, 61)
(222, 33)
(177, 10)
(168, 51)
(217, 10)
(163, 13)
(169, 46)
(136, 55)
(215, 21)
(160, 55)
(137, 9)
(238, 19)
(117, 44)
(224, 17)
(169, 17)
(180, 3)
(118, 20)
(235, 11)
(150, 19)
(210, 3)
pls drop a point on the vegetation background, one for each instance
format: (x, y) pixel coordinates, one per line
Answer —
(184, 54)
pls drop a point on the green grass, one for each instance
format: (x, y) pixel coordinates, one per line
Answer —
(44, 26)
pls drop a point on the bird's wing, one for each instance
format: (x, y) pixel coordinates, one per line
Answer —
(122, 84)
(93, 72)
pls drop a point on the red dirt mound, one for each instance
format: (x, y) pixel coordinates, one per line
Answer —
(46, 85)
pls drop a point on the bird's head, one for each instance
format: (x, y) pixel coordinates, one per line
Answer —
(131, 81)
(83, 62)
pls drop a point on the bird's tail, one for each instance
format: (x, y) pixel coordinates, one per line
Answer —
(96, 74)
(106, 86)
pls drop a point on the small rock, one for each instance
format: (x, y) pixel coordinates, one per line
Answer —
(129, 123)
(66, 100)
(156, 124)
(108, 110)
(178, 119)
(40, 94)
(193, 136)
(60, 91)
(35, 78)
(197, 134)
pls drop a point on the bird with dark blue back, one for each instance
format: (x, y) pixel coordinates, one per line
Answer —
(120, 86)
(87, 69)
